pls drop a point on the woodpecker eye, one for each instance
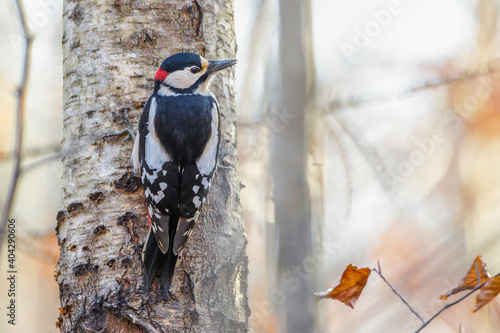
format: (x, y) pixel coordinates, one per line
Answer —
(195, 69)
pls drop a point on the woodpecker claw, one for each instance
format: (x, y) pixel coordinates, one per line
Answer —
(128, 126)
(220, 166)
(222, 155)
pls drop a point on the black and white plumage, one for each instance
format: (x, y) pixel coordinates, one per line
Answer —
(176, 153)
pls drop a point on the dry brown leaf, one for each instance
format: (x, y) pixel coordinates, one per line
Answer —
(488, 292)
(349, 287)
(469, 280)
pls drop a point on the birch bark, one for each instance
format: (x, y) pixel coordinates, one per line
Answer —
(111, 52)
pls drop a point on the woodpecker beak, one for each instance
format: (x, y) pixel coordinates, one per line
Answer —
(215, 66)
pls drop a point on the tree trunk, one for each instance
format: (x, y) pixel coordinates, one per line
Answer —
(289, 167)
(111, 52)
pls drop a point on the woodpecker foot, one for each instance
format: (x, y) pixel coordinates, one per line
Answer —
(128, 126)
(222, 155)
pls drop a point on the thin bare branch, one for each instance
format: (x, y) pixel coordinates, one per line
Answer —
(347, 168)
(379, 272)
(478, 273)
(370, 155)
(426, 322)
(449, 305)
(32, 152)
(357, 101)
(20, 117)
(42, 161)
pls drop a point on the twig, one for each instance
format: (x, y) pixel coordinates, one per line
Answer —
(355, 101)
(379, 272)
(449, 305)
(40, 162)
(478, 274)
(33, 152)
(20, 116)
(221, 156)
(347, 168)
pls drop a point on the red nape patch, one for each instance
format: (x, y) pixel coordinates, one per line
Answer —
(149, 220)
(161, 75)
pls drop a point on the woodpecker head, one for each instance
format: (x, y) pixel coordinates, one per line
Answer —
(188, 73)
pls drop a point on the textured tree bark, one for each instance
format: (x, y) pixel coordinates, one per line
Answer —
(111, 52)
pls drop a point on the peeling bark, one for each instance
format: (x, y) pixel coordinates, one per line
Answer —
(111, 52)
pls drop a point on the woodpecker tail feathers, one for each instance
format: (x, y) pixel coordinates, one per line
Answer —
(157, 263)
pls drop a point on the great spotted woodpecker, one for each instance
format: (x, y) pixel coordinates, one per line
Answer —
(176, 150)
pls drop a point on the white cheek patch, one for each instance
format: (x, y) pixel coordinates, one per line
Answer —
(181, 79)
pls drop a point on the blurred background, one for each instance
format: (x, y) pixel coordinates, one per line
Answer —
(403, 131)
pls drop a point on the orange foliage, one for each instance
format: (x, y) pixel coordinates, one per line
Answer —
(488, 292)
(469, 281)
(350, 286)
